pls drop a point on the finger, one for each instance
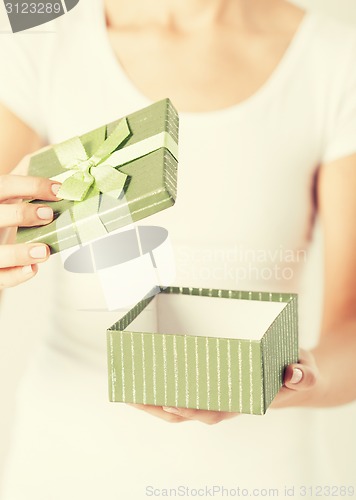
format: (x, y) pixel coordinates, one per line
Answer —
(300, 377)
(23, 254)
(205, 416)
(19, 186)
(25, 214)
(157, 411)
(16, 275)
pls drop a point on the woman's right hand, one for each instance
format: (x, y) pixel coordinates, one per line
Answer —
(18, 262)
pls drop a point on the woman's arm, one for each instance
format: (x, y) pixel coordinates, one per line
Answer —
(333, 367)
(336, 352)
(16, 140)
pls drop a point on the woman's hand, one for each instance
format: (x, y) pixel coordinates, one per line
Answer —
(18, 263)
(299, 380)
(176, 415)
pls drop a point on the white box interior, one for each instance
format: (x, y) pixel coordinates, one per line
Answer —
(207, 316)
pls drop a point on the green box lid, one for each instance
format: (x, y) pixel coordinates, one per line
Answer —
(151, 183)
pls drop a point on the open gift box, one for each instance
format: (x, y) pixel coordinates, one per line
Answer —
(112, 176)
(207, 349)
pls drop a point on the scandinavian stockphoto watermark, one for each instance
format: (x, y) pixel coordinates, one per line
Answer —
(238, 263)
(24, 15)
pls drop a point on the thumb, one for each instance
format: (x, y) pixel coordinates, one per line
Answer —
(300, 377)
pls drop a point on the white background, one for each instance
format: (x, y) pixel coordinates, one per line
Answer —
(21, 308)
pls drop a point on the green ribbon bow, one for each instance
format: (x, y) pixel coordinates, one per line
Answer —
(94, 174)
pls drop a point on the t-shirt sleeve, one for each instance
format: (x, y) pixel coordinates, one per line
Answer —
(341, 137)
(20, 86)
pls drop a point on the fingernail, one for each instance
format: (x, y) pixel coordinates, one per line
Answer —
(27, 270)
(171, 409)
(297, 376)
(39, 252)
(45, 213)
(55, 188)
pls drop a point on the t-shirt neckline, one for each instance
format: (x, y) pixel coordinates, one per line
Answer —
(275, 78)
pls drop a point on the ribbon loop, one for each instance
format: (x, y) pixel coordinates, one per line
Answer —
(87, 172)
(106, 177)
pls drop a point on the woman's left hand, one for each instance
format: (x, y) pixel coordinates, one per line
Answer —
(299, 379)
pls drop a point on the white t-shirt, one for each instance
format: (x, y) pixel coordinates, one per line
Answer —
(243, 219)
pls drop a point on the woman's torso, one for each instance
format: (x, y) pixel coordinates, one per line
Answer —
(245, 209)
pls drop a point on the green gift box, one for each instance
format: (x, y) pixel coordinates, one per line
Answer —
(207, 349)
(112, 176)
